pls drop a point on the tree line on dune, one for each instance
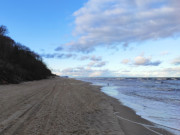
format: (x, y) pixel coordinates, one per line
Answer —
(18, 63)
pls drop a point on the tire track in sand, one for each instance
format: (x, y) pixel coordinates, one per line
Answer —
(11, 125)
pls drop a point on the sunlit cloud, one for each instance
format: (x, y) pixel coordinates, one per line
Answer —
(125, 61)
(143, 61)
(120, 22)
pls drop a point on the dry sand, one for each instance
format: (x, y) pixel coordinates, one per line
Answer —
(64, 107)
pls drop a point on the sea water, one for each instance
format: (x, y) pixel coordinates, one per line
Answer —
(155, 99)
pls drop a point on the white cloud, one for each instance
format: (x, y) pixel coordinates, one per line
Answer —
(125, 61)
(176, 61)
(85, 72)
(114, 22)
(143, 61)
(140, 60)
(88, 72)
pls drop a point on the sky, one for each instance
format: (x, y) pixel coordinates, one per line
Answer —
(99, 38)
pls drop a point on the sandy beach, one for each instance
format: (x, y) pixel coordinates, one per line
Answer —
(60, 106)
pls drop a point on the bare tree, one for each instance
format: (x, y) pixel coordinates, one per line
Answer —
(18, 62)
(3, 30)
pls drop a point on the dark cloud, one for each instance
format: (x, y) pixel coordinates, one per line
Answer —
(154, 63)
(59, 48)
(59, 56)
(49, 55)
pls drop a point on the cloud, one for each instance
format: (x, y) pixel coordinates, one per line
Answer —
(142, 61)
(59, 56)
(96, 61)
(176, 61)
(96, 58)
(174, 72)
(97, 64)
(48, 56)
(59, 48)
(167, 72)
(96, 74)
(164, 53)
(126, 71)
(125, 61)
(154, 63)
(88, 72)
(120, 22)
(85, 72)
(84, 58)
(92, 58)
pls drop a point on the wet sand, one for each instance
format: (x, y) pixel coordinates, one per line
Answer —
(60, 106)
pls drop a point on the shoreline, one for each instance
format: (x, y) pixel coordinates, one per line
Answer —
(128, 117)
(66, 106)
(152, 125)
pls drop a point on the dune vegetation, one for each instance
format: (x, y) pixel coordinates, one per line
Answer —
(18, 63)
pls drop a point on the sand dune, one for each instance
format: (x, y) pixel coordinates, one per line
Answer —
(61, 106)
